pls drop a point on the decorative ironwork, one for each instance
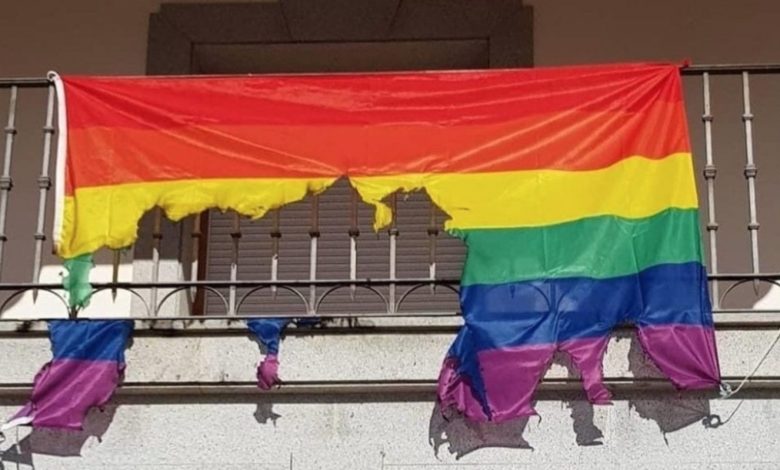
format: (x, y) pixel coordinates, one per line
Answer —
(301, 289)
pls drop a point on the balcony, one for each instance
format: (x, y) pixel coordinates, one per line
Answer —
(320, 259)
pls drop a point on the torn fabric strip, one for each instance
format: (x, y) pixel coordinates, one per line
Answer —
(86, 368)
(268, 332)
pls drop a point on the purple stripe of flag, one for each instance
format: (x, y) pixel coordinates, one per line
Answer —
(65, 390)
(684, 353)
(87, 367)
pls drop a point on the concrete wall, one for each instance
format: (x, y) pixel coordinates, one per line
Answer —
(373, 432)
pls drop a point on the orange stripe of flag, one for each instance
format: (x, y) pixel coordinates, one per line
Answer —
(582, 141)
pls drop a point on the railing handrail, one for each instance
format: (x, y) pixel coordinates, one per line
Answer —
(730, 69)
(714, 69)
(25, 82)
(249, 283)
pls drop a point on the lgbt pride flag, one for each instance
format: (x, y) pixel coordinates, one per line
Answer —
(572, 189)
(88, 362)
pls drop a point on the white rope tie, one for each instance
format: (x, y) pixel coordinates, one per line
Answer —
(725, 389)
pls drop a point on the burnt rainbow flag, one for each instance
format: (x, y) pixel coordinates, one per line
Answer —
(571, 187)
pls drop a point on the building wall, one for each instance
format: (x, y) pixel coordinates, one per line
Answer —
(404, 431)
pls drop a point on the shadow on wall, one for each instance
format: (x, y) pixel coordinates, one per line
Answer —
(670, 413)
(673, 412)
(463, 436)
(58, 442)
(265, 413)
(582, 412)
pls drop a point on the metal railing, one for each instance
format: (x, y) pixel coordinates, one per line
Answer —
(391, 291)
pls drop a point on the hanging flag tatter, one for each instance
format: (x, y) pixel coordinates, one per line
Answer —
(572, 189)
(268, 332)
(87, 365)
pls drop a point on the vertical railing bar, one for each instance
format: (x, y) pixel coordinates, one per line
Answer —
(750, 174)
(393, 232)
(433, 233)
(710, 173)
(314, 235)
(235, 235)
(276, 234)
(44, 184)
(156, 242)
(115, 260)
(195, 237)
(354, 232)
(6, 183)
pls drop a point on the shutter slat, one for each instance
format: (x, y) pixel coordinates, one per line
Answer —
(333, 255)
